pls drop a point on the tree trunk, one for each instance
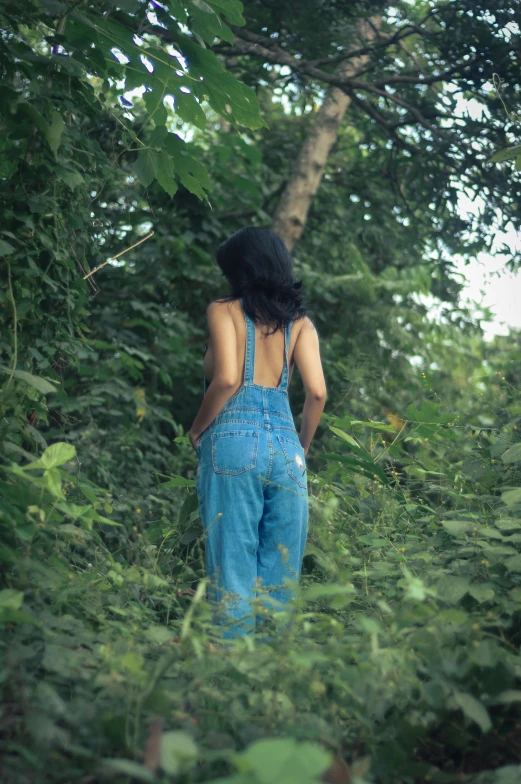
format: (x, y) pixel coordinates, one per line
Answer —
(292, 210)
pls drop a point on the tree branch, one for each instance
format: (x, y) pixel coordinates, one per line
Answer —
(246, 46)
(390, 127)
(405, 105)
(345, 84)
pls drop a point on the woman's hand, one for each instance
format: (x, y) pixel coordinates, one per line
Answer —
(194, 439)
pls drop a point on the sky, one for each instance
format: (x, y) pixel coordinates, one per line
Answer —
(489, 283)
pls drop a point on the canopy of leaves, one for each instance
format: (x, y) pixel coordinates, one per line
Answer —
(119, 119)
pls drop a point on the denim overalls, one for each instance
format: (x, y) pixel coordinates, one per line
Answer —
(253, 498)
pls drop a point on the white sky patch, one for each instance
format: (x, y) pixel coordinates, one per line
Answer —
(489, 284)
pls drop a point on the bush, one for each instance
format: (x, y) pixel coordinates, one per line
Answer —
(401, 652)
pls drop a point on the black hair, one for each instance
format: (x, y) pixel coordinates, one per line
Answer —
(259, 268)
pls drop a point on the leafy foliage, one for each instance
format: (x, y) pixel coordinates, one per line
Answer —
(400, 654)
(67, 68)
(400, 651)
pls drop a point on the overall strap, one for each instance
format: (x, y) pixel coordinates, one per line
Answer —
(249, 361)
(285, 370)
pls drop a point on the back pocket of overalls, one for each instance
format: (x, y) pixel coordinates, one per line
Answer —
(234, 451)
(295, 459)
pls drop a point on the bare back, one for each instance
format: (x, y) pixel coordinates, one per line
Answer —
(269, 350)
(224, 364)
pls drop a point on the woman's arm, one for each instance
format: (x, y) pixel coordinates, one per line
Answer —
(225, 381)
(307, 359)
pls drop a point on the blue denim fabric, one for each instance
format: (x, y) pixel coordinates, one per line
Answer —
(253, 498)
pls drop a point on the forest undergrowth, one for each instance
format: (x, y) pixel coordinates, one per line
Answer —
(400, 654)
(398, 662)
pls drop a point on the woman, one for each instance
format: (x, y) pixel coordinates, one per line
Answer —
(251, 474)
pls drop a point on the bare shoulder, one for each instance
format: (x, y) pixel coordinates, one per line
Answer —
(306, 321)
(306, 325)
(220, 308)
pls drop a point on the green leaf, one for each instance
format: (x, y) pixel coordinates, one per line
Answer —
(513, 564)
(329, 589)
(159, 634)
(451, 588)
(53, 456)
(57, 454)
(155, 106)
(34, 381)
(512, 455)
(41, 384)
(507, 697)
(207, 24)
(132, 661)
(192, 174)
(6, 248)
(146, 166)
(284, 760)
(189, 505)
(508, 524)
(165, 173)
(498, 549)
(490, 533)
(70, 177)
(362, 466)
(178, 10)
(458, 527)
(74, 511)
(101, 519)
(345, 437)
(130, 6)
(230, 98)
(511, 497)
(129, 768)
(177, 481)
(177, 749)
(232, 9)
(474, 710)
(192, 533)
(506, 155)
(54, 482)
(358, 423)
(482, 592)
(188, 108)
(11, 600)
(53, 131)
(373, 541)
(429, 413)
(326, 562)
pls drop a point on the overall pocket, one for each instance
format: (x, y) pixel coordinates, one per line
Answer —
(234, 451)
(295, 459)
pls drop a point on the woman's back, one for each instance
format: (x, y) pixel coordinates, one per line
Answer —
(269, 349)
(303, 350)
